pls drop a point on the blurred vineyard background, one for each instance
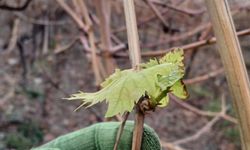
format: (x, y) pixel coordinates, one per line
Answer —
(50, 49)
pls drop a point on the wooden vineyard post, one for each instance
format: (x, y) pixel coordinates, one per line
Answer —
(135, 57)
(231, 55)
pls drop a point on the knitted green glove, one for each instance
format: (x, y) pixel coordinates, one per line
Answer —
(102, 136)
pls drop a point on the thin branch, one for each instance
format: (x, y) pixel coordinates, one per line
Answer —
(121, 45)
(89, 31)
(204, 77)
(94, 58)
(97, 21)
(158, 14)
(14, 36)
(202, 131)
(148, 19)
(144, 21)
(61, 49)
(21, 8)
(171, 146)
(188, 12)
(203, 113)
(45, 48)
(74, 16)
(103, 11)
(179, 37)
(115, 50)
(203, 35)
(184, 47)
(120, 130)
(207, 127)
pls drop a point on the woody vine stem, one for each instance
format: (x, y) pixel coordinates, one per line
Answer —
(135, 57)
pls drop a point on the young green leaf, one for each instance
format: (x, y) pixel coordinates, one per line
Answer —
(179, 90)
(124, 88)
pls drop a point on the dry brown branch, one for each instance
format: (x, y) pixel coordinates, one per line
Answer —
(83, 10)
(175, 145)
(74, 16)
(194, 109)
(91, 37)
(204, 27)
(198, 134)
(190, 46)
(119, 47)
(103, 11)
(205, 33)
(120, 130)
(14, 36)
(180, 37)
(45, 48)
(87, 49)
(171, 146)
(61, 49)
(148, 19)
(20, 8)
(204, 77)
(186, 11)
(85, 45)
(94, 58)
(99, 71)
(158, 14)
(203, 113)
(207, 127)
(144, 21)
(116, 39)
(185, 47)
(113, 37)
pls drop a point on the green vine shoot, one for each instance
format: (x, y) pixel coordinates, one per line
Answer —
(124, 88)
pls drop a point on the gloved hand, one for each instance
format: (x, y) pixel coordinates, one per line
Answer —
(102, 136)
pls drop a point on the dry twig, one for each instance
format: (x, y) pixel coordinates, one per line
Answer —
(185, 47)
(185, 11)
(14, 36)
(61, 49)
(171, 146)
(74, 16)
(203, 113)
(204, 77)
(10, 8)
(158, 14)
(207, 127)
(175, 145)
(179, 37)
(120, 130)
(104, 10)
